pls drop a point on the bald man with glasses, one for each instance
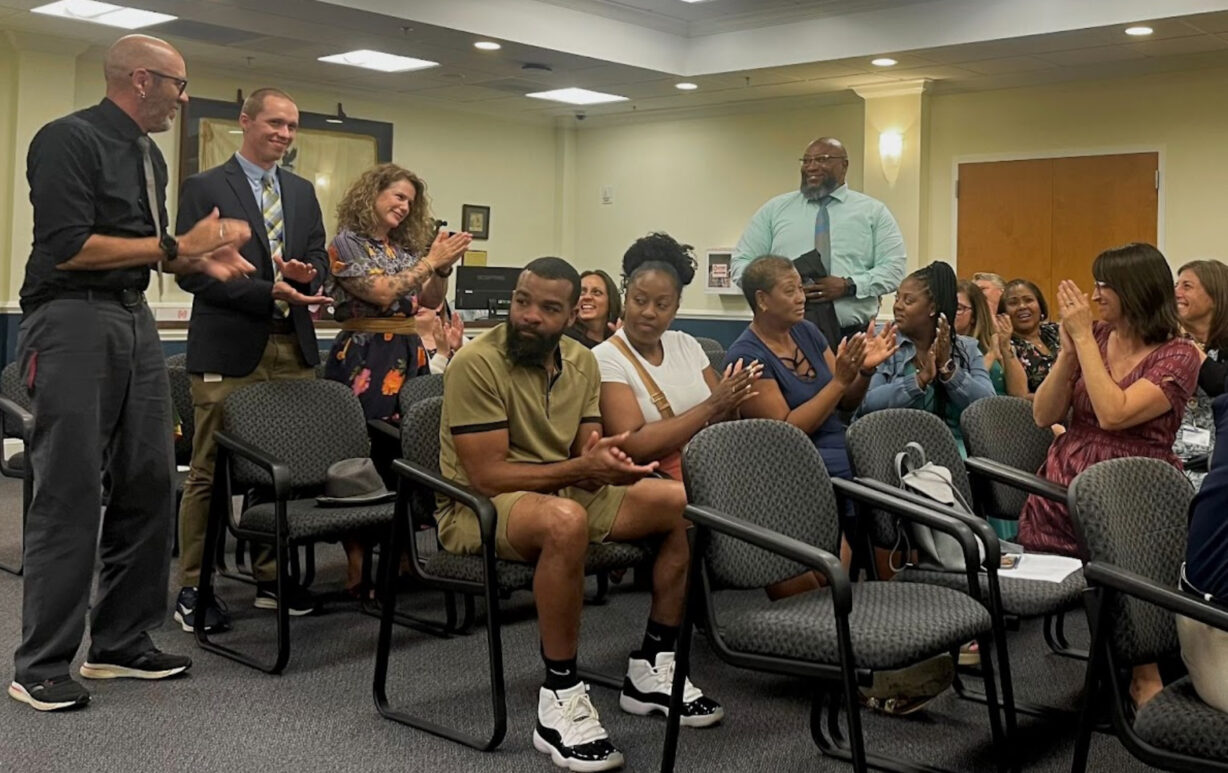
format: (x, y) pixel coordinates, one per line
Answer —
(855, 236)
(94, 366)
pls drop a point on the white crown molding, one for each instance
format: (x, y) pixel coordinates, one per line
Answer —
(900, 89)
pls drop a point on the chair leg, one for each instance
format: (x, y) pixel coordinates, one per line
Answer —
(1097, 609)
(603, 588)
(384, 647)
(1055, 637)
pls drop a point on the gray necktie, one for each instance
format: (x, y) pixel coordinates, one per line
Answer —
(151, 194)
(822, 233)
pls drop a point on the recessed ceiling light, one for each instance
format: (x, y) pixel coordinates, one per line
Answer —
(378, 60)
(884, 61)
(487, 45)
(104, 13)
(1139, 32)
(574, 96)
(686, 86)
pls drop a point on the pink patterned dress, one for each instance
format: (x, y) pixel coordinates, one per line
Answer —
(1044, 525)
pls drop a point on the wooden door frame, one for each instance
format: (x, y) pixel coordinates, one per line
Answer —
(980, 158)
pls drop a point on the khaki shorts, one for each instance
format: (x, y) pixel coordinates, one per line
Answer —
(459, 531)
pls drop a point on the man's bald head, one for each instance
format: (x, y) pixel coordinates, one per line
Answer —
(824, 165)
(132, 52)
(146, 78)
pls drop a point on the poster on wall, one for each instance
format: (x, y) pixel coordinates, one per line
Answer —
(718, 274)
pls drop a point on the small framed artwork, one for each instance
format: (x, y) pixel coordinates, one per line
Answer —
(475, 219)
(718, 276)
(473, 258)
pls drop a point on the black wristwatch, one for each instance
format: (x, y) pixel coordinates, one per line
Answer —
(850, 287)
(169, 246)
(443, 273)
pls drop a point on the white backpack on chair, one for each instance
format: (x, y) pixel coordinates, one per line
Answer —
(936, 550)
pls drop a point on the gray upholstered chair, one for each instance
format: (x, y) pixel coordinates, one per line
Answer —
(873, 442)
(179, 360)
(472, 576)
(1131, 518)
(752, 532)
(419, 388)
(715, 352)
(17, 422)
(279, 438)
(1004, 444)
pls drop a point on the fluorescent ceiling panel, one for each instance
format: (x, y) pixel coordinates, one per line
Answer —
(104, 13)
(574, 96)
(380, 61)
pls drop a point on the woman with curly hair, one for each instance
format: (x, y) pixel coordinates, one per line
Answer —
(379, 277)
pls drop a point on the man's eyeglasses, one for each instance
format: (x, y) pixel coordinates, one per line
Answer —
(808, 160)
(181, 83)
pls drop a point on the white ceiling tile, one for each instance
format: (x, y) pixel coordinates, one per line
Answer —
(1010, 64)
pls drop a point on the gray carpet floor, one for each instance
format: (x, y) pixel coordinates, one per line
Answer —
(319, 714)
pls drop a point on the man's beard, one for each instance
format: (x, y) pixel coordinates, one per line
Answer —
(529, 350)
(816, 192)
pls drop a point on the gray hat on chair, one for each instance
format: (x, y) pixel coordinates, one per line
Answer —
(353, 482)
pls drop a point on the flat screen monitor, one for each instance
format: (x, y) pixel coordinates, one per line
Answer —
(487, 288)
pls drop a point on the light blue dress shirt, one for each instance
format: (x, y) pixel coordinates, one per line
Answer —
(866, 245)
(255, 178)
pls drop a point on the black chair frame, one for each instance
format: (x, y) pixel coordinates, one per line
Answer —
(399, 537)
(1105, 582)
(23, 418)
(220, 522)
(826, 704)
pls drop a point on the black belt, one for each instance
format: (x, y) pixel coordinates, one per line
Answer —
(129, 299)
(281, 326)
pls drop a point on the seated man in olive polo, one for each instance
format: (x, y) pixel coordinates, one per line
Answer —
(521, 425)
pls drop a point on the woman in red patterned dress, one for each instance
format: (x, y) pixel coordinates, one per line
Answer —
(1125, 380)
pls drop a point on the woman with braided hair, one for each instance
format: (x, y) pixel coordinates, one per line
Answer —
(934, 369)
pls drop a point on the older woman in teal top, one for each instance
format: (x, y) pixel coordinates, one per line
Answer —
(933, 369)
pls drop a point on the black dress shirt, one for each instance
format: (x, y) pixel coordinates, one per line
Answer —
(1206, 555)
(86, 175)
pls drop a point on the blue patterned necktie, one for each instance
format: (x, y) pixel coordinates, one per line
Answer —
(822, 233)
(275, 226)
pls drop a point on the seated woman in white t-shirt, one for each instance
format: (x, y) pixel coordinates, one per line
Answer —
(692, 395)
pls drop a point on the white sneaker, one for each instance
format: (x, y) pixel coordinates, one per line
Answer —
(569, 730)
(647, 688)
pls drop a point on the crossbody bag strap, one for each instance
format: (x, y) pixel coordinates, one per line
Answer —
(654, 392)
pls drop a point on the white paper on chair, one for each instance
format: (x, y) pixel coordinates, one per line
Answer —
(1043, 567)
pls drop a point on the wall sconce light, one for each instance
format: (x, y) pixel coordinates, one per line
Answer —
(890, 151)
(339, 117)
(890, 146)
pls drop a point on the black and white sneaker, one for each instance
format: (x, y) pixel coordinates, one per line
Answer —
(569, 730)
(216, 619)
(299, 600)
(51, 694)
(647, 687)
(153, 664)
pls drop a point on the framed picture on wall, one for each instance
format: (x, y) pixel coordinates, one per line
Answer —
(475, 219)
(718, 272)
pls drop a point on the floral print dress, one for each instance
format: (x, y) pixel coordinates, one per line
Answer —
(374, 365)
(1036, 364)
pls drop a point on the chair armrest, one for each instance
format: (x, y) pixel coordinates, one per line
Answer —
(384, 427)
(980, 527)
(1140, 587)
(480, 504)
(1024, 481)
(926, 516)
(775, 542)
(23, 418)
(276, 468)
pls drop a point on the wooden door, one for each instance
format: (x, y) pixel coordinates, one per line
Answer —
(1047, 219)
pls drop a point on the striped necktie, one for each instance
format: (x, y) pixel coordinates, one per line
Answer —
(822, 233)
(275, 226)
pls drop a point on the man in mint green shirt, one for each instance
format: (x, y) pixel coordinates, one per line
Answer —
(856, 236)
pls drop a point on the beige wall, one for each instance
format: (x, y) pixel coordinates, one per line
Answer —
(698, 179)
(702, 178)
(1182, 115)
